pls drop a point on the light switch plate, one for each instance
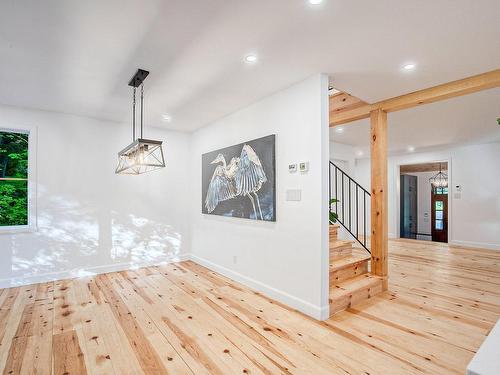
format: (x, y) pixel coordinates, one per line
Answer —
(304, 166)
(293, 195)
(292, 168)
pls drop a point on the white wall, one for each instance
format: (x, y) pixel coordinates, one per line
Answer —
(474, 215)
(89, 219)
(287, 259)
(346, 153)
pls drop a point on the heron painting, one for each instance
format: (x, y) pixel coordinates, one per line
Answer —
(239, 181)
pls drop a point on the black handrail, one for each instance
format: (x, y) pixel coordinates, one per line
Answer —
(347, 223)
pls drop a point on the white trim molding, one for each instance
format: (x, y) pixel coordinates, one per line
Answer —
(84, 272)
(32, 178)
(314, 311)
(475, 245)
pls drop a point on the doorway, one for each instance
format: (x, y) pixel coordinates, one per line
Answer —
(409, 206)
(424, 201)
(439, 222)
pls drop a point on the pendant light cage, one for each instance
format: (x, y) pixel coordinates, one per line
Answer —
(142, 155)
(439, 180)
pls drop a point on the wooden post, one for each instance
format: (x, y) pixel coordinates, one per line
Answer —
(379, 205)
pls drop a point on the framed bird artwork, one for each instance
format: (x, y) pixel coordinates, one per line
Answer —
(240, 180)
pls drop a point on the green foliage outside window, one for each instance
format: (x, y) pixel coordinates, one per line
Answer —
(13, 179)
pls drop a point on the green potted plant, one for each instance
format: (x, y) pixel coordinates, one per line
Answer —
(333, 215)
(333, 220)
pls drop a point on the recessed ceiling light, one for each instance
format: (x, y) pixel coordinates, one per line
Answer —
(359, 153)
(166, 117)
(409, 66)
(339, 129)
(410, 148)
(251, 58)
(315, 2)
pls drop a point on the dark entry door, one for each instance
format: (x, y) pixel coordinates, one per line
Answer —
(408, 207)
(439, 204)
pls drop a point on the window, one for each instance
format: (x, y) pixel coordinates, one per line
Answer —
(441, 190)
(14, 184)
(439, 225)
(439, 215)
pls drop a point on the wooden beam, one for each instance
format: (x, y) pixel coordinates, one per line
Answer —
(343, 102)
(350, 116)
(441, 92)
(424, 167)
(430, 95)
(379, 200)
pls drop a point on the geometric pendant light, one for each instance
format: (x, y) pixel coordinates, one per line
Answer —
(142, 155)
(439, 180)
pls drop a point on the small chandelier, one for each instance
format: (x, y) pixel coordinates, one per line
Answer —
(142, 155)
(439, 180)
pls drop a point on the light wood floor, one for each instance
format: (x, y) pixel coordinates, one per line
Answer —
(185, 319)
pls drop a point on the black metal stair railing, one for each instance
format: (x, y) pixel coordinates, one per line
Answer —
(352, 199)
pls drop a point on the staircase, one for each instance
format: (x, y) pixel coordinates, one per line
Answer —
(350, 279)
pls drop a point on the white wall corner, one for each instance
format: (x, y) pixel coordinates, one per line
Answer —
(298, 116)
(325, 197)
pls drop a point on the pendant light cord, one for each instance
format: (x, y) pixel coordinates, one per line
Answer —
(142, 112)
(133, 115)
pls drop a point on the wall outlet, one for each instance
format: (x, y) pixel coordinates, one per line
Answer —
(294, 195)
(292, 168)
(304, 166)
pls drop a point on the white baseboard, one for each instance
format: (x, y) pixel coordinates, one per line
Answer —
(476, 245)
(314, 311)
(83, 272)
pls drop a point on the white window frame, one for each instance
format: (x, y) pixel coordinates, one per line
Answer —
(32, 184)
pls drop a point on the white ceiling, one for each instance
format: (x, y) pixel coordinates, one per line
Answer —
(77, 56)
(469, 119)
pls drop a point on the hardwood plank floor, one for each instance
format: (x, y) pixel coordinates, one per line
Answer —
(185, 319)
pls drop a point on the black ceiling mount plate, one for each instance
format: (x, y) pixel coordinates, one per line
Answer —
(138, 78)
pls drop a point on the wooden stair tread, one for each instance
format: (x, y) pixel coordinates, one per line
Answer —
(348, 261)
(353, 285)
(360, 251)
(340, 243)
